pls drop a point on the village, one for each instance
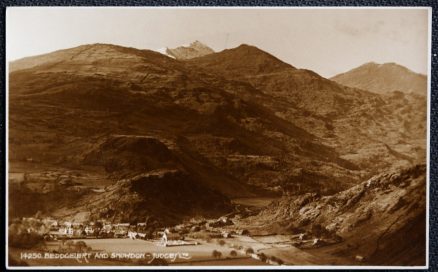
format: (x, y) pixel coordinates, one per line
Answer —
(103, 229)
(205, 240)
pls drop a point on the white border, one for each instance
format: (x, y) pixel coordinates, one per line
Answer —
(288, 267)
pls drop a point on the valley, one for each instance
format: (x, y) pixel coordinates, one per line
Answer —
(204, 143)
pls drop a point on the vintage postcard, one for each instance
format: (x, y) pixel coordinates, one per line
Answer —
(238, 138)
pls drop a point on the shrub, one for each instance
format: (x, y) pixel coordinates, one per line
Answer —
(249, 251)
(80, 246)
(277, 260)
(221, 242)
(69, 244)
(262, 257)
(216, 254)
(25, 239)
(233, 253)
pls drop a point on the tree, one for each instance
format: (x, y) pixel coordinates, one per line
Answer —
(98, 225)
(221, 242)
(262, 256)
(233, 253)
(249, 251)
(80, 246)
(25, 239)
(69, 244)
(217, 254)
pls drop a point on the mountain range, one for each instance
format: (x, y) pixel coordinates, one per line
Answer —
(235, 123)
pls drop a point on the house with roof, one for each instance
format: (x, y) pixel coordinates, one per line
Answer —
(66, 231)
(89, 229)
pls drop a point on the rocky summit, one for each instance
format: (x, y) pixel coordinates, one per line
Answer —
(193, 50)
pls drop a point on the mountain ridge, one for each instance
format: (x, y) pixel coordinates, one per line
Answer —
(239, 121)
(384, 78)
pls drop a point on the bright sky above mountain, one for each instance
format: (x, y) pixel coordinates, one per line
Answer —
(327, 41)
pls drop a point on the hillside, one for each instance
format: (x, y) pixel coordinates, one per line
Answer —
(162, 196)
(240, 122)
(110, 112)
(383, 79)
(242, 60)
(382, 219)
(362, 126)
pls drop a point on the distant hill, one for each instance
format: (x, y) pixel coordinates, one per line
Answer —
(384, 78)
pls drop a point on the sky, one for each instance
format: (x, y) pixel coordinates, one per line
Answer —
(327, 41)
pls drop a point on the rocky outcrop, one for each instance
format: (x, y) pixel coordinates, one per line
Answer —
(166, 195)
(194, 50)
(383, 216)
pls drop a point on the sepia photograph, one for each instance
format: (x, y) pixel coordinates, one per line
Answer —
(219, 137)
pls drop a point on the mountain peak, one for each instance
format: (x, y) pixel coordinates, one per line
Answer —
(250, 49)
(245, 45)
(383, 78)
(185, 52)
(89, 54)
(386, 65)
(371, 63)
(197, 43)
(244, 59)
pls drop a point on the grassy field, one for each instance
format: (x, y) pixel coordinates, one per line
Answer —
(198, 254)
(194, 255)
